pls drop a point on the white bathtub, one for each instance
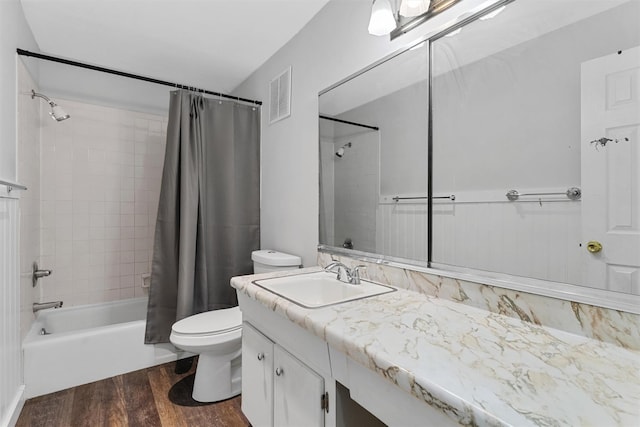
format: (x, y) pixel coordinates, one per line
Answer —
(88, 343)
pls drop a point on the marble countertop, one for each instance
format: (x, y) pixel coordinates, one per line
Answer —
(480, 368)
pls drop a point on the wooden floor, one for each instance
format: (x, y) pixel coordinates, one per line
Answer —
(141, 398)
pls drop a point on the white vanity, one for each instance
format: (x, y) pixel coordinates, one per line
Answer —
(411, 359)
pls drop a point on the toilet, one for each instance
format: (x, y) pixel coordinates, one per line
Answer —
(216, 336)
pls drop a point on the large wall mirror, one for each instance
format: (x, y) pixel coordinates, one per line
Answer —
(534, 171)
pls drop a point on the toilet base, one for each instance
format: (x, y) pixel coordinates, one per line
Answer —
(217, 378)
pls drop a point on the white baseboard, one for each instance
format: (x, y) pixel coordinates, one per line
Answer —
(10, 418)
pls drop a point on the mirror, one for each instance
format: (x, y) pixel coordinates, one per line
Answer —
(535, 158)
(381, 116)
(514, 99)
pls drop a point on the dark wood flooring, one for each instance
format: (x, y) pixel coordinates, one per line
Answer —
(154, 396)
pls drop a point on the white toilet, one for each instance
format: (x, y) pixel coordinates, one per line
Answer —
(216, 337)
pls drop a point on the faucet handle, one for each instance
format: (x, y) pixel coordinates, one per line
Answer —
(355, 274)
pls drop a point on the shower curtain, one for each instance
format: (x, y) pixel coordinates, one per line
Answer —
(209, 211)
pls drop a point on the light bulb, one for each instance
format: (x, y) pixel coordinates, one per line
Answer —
(382, 21)
(410, 8)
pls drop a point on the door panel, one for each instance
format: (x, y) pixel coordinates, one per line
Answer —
(611, 171)
(297, 392)
(257, 377)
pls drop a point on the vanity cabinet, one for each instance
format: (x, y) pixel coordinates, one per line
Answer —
(277, 388)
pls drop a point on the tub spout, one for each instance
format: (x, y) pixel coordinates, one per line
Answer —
(37, 306)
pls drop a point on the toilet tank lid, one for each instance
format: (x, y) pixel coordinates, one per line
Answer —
(275, 258)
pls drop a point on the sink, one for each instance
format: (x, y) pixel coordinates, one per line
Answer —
(320, 289)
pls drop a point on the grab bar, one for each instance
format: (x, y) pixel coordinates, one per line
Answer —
(397, 198)
(573, 193)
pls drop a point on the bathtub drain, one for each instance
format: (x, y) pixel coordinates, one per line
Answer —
(43, 331)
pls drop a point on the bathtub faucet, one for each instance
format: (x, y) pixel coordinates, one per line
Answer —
(37, 274)
(37, 306)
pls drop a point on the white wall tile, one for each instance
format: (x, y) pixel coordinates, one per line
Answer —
(98, 200)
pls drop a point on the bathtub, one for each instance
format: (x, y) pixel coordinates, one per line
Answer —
(88, 343)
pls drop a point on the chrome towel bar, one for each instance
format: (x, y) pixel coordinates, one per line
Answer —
(398, 198)
(573, 193)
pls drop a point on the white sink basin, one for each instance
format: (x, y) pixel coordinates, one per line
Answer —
(320, 289)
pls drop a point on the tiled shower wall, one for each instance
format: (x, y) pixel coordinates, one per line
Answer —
(101, 172)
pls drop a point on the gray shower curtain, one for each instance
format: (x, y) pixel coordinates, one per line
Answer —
(209, 211)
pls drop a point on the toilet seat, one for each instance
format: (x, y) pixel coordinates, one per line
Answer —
(213, 322)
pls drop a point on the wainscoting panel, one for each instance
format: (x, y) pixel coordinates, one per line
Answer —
(401, 230)
(10, 342)
(532, 239)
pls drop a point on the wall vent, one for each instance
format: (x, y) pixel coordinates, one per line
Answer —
(280, 99)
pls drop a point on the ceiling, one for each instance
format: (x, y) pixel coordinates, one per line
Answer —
(211, 44)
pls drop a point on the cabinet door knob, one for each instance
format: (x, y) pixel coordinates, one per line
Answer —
(279, 371)
(260, 356)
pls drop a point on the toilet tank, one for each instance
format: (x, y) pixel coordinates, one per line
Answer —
(266, 260)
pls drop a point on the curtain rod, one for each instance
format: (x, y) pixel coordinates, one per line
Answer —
(129, 75)
(349, 123)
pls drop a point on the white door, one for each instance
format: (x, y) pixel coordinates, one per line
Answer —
(297, 393)
(610, 171)
(257, 377)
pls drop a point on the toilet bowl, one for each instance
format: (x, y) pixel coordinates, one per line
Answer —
(216, 337)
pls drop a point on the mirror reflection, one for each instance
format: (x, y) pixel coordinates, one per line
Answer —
(535, 117)
(387, 113)
(515, 102)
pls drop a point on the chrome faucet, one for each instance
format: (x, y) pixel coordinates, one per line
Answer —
(341, 269)
(37, 306)
(344, 273)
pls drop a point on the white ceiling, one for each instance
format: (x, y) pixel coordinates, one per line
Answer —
(211, 44)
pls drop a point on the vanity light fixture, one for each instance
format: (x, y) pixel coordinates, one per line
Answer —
(382, 21)
(411, 8)
(492, 14)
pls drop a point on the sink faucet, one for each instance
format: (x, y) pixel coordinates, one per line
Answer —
(37, 306)
(341, 269)
(344, 273)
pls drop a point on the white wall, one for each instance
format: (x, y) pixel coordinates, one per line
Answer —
(334, 45)
(14, 33)
(402, 117)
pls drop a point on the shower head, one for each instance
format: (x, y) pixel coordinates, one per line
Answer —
(340, 151)
(56, 113)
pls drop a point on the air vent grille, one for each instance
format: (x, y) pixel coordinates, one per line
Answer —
(280, 99)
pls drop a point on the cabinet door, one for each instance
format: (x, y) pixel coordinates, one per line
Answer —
(257, 377)
(297, 392)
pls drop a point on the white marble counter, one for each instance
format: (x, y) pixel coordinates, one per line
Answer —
(480, 368)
